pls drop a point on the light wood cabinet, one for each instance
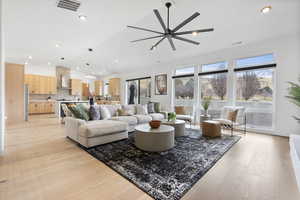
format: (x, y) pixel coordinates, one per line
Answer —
(76, 87)
(40, 84)
(114, 87)
(41, 107)
(85, 90)
(98, 88)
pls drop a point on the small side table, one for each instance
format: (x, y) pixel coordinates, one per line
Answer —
(179, 126)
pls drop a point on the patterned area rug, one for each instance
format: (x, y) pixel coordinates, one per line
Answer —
(166, 175)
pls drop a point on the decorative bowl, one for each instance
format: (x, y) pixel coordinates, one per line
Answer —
(155, 123)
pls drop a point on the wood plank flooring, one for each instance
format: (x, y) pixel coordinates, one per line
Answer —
(40, 163)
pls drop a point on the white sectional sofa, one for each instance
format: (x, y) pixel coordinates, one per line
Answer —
(96, 132)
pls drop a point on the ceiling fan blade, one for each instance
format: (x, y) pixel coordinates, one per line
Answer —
(144, 29)
(172, 43)
(147, 38)
(185, 40)
(157, 43)
(160, 20)
(194, 31)
(196, 14)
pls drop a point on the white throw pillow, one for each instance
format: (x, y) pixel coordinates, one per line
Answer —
(105, 113)
(130, 109)
(141, 109)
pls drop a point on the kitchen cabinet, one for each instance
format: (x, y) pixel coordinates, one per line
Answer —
(98, 88)
(85, 90)
(76, 87)
(114, 87)
(41, 107)
(40, 84)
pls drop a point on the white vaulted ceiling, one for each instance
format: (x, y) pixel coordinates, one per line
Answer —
(33, 27)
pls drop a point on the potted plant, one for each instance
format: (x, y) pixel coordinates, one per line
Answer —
(171, 116)
(205, 104)
(294, 95)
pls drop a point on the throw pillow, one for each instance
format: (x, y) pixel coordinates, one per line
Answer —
(157, 107)
(83, 106)
(151, 107)
(130, 109)
(232, 115)
(122, 112)
(105, 113)
(141, 109)
(95, 113)
(79, 113)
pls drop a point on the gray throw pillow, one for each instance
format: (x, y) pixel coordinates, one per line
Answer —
(151, 107)
(95, 113)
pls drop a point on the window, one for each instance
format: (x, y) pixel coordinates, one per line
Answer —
(213, 84)
(139, 90)
(183, 71)
(214, 67)
(145, 91)
(255, 61)
(254, 89)
(184, 88)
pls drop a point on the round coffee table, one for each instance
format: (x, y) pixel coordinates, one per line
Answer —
(179, 126)
(155, 140)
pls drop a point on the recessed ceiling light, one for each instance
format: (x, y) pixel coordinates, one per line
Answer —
(49, 63)
(26, 63)
(194, 33)
(57, 45)
(30, 57)
(82, 17)
(266, 9)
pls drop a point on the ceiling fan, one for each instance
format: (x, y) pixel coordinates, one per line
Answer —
(171, 33)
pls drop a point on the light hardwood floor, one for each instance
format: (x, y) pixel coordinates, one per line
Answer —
(40, 163)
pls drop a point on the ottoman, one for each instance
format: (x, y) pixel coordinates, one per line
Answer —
(211, 128)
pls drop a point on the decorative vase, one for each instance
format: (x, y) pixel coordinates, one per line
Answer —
(205, 113)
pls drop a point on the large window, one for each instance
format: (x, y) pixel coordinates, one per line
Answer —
(184, 86)
(213, 85)
(139, 90)
(254, 89)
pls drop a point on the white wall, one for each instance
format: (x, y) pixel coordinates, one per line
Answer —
(43, 70)
(286, 50)
(2, 82)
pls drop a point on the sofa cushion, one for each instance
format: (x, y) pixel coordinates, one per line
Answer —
(113, 109)
(130, 109)
(131, 120)
(95, 112)
(157, 116)
(141, 109)
(101, 128)
(105, 113)
(142, 119)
